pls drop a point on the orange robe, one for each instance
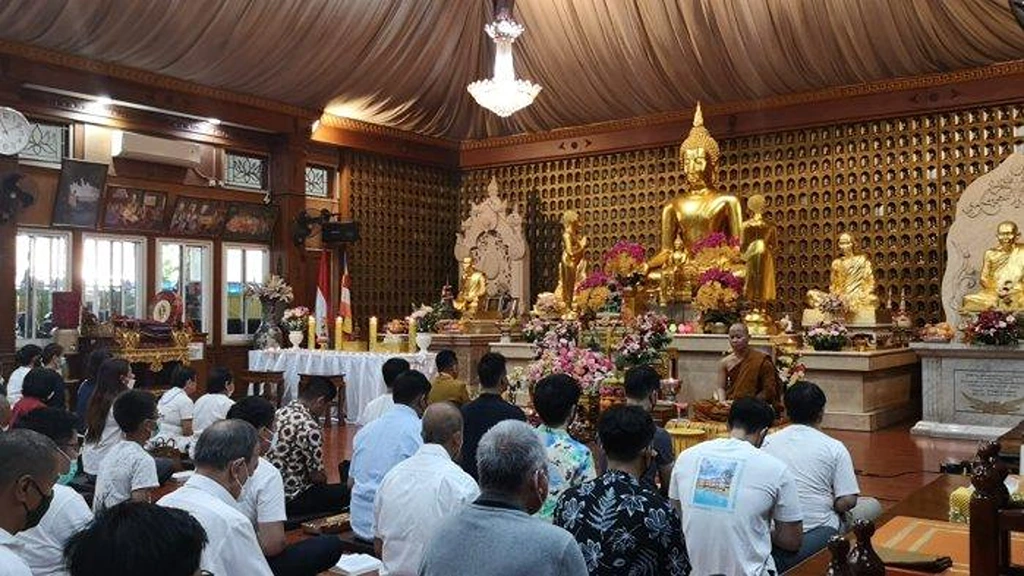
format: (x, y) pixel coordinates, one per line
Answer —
(755, 375)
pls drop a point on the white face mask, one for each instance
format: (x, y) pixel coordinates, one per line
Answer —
(130, 383)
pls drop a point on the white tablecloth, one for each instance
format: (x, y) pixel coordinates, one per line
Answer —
(362, 370)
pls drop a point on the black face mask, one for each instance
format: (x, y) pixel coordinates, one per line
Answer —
(34, 517)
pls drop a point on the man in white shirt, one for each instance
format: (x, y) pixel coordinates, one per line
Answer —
(729, 494)
(263, 503)
(382, 444)
(227, 455)
(27, 358)
(214, 405)
(381, 404)
(129, 472)
(421, 491)
(823, 470)
(28, 470)
(42, 547)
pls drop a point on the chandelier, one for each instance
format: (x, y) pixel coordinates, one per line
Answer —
(504, 94)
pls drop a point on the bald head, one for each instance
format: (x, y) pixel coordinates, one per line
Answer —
(441, 422)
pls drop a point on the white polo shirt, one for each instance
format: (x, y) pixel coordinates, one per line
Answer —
(42, 547)
(375, 409)
(415, 497)
(94, 453)
(10, 563)
(127, 468)
(174, 407)
(262, 499)
(210, 409)
(233, 547)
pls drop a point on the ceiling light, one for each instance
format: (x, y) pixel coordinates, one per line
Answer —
(504, 94)
(214, 121)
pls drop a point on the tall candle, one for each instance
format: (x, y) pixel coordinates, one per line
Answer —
(338, 332)
(373, 332)
(311, 334)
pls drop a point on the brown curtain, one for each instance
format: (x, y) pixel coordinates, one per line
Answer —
(406, 63)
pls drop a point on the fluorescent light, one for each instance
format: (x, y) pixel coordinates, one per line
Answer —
(214, 121)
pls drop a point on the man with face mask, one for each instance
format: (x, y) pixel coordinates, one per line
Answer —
(421, 491)
(227, 454)
(737, 501)
(129, 472)
(512, 465)
(28, 470)
(569, 461)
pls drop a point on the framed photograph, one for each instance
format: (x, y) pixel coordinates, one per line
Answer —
(250, 222)
(134, 209)
(78, 193)
(198, 217)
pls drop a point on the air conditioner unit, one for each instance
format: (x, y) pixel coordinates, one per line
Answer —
(156, 150)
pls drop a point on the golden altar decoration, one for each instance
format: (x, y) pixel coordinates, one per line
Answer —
(572, 269)
(472, 287)
(758, 245)
(852, 279)
(1001, 284)
(129, 345)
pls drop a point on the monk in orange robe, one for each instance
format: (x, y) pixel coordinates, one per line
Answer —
(743, 373)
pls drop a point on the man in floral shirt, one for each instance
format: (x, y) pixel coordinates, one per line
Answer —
(569, 461)
(621, 525)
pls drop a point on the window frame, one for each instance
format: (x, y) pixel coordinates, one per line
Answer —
(264, 176)
(225, 246)
(207, 279)
(66, 145)
(68, 272)
(329, 184)
(141, 268)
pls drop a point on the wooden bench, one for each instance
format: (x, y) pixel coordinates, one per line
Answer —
(269, 385)
(993, 518)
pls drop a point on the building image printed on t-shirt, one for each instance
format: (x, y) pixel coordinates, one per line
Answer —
(716, 483)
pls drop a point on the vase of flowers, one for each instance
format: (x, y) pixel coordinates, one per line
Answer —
(295, 320)
(273, 295)
(828, 336)
(644, 341)
(718, 299)
(993, 328)
(590, 369)
(593, 295)
(425, 319)
(833, 307)
(624, 263)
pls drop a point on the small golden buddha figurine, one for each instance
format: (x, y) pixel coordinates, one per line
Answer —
(572, 269)
(1002, 274)
(852, 279)
(758, 242)
(472, 287)
(672, 284)
(703, 209)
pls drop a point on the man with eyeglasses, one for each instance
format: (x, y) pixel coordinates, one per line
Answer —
(227, 455)
(28, 471)
(42, 547)
(129, 472)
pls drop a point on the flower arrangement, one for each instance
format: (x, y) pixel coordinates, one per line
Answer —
(828, 336)
(833, 306)
(548, 306)
(537, 331)
(715, 251)
(589, 368)
(993, 327)
(396, 326)
(275, 289)
(718, 296)
(589, 301)
(625, 262)
(646, 337)
(296, 319)
(425, 317)
(789, 367)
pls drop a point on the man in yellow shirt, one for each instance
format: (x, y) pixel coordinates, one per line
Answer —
(447, 387)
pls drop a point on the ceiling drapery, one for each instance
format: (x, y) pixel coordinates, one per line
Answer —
(406, 63)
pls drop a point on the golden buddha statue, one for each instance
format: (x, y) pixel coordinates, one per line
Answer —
(573, 267)
(472, 287)
(852, 279)
(1002, 274)
(672, 283)
(758, 242)
(703, 210)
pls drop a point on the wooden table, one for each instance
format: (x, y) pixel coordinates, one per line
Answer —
(930, 501)
(1009, 443)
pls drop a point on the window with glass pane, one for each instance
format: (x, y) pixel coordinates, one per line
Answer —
(184, 270)
(112, 277)
(242, 265)
(41, 270)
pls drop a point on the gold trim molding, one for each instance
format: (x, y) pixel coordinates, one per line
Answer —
(340, 122)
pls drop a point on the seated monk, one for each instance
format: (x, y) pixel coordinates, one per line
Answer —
(743, 373)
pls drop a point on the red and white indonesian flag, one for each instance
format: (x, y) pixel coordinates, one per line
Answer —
(345, 306)
(323, 288)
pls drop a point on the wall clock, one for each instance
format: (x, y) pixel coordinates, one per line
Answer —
(14, 131)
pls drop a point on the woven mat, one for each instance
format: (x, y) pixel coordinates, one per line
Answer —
(936, 538)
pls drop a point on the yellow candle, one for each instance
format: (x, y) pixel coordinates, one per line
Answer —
(338, 335)
(311, 334)
(412, 336)
(373, 333)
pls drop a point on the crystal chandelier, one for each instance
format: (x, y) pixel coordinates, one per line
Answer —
(504, 94)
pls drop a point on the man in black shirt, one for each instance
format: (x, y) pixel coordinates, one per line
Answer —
(642, 385)
(488, 409)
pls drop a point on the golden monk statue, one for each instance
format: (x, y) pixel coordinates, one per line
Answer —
(853, 280)
(758, 242)
(703, 209)
(743, 373)
(472, 287)
(573, 267)
(1002, 274)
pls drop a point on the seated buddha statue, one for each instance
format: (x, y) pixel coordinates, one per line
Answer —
(743, 373)
(703, 209)
(852, 279)
(1002, 274)
(472, 287)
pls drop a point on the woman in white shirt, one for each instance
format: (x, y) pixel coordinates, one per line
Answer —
(101, 431)
(176, 411)
(27, 358)
(214, 405)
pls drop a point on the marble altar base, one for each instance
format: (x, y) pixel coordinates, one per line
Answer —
(517, 354)
(468, 349)
(970, 392)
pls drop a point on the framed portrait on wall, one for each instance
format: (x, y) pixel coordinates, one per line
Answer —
(198, 217)
(78, 193)
(250, 222)
(134, 209)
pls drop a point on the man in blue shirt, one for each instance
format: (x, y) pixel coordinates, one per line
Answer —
(382, 444)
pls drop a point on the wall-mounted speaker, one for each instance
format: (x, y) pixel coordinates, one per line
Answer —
(339, 232)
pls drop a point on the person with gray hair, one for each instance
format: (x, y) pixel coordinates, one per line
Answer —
(28, 470)
(512, 466)
(227, 454)
(421, 491)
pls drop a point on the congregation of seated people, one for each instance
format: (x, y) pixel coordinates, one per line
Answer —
(440, 483)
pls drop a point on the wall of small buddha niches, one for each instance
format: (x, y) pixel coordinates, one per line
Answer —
(407, 218)
(892, 183)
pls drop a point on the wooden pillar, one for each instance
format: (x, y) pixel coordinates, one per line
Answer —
(8, 269)
(287, 186)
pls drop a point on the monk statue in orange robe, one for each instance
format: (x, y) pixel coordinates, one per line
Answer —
(744, 372)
